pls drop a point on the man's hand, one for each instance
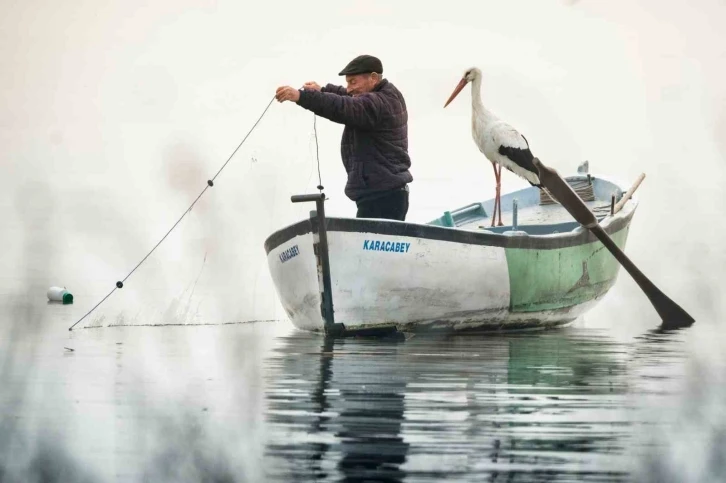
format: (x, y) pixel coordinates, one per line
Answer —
(312, 86)
(287, 93)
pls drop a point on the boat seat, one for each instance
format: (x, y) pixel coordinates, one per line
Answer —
(465, 214)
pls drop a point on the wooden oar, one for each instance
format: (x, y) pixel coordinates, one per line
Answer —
(671, 313)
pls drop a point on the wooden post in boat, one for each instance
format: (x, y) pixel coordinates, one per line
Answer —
(629, 193)
(318, 217)
(514, 214)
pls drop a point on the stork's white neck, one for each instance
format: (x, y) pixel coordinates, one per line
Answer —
(478, 109)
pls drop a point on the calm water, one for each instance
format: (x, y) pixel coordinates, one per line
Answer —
(264, 402)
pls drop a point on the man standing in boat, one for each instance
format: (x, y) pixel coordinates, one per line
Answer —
(374, 147)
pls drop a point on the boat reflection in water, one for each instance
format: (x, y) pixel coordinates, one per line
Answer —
(518, 407)
(334, 412)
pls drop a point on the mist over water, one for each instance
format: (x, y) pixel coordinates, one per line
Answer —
(114, 116)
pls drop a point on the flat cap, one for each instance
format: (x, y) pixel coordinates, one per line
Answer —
(363, 64)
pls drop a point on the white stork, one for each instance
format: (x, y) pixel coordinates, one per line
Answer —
(500, 142)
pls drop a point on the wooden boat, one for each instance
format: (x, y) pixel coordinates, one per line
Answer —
(455, 272)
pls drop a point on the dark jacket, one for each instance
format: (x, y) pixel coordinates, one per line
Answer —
(374, 147)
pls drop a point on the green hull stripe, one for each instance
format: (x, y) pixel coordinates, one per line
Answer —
(562, 277)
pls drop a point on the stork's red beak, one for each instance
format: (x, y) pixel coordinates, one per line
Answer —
(458, 89)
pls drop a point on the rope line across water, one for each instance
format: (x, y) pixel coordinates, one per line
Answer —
(210, 183)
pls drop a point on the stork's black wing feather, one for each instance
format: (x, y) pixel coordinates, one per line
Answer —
(521, 157)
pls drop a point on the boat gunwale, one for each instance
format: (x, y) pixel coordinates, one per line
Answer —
(577, 236)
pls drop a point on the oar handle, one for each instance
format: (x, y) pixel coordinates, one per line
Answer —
(565, 195)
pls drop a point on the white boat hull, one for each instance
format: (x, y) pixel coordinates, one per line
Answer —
(418, 276)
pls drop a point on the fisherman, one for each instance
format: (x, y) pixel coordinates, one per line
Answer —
(374, 146)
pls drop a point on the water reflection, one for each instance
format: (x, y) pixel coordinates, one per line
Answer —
(525, 407)
(338, 413)
(187, 404)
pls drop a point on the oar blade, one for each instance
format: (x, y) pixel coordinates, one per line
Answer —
(672, 314)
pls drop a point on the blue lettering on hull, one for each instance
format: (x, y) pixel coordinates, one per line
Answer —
(289, 253)
(386, 246)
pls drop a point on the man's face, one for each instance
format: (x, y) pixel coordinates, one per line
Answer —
(360, 83)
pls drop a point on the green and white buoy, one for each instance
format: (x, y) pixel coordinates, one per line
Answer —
(60, 294)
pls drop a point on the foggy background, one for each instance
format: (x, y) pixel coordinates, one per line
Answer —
(114, 116)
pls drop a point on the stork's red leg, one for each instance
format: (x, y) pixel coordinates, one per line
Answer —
(496, 193)
(499, 194)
